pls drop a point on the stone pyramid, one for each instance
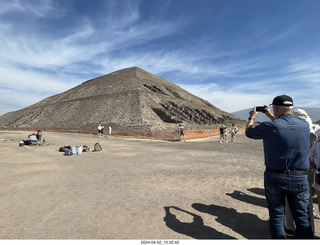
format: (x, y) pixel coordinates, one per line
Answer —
(128, 99)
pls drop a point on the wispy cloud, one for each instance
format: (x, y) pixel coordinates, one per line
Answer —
(46, 48)
(37, 8)
(30, 81)
(229, 98)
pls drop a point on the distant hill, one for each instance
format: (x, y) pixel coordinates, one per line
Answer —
(314, 114)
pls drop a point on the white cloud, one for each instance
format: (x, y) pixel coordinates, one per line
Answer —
(34, 51)
(84, 43)
(306, 69)
(11, 100)
(228, 98)
(121, 40)
(35, 82)
(21, 88)
(38, 8)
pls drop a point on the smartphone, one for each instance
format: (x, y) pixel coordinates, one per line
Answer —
(261, 108)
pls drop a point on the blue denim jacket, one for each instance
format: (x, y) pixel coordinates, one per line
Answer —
(286, 142)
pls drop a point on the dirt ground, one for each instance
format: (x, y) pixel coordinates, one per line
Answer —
(132, 189)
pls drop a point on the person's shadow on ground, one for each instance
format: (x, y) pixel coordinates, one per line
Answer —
(241, 196)
(248, 225)
(258, 191)
(196, 229)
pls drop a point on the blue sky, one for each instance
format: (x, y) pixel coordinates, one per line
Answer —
(233, 53)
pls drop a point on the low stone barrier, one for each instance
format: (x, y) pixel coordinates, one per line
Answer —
(170, 135)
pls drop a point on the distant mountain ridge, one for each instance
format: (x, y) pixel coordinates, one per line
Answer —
(314, 114)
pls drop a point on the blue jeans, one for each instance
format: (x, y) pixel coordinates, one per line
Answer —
(296, 189)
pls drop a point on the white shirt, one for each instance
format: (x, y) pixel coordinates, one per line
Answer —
(314, 155)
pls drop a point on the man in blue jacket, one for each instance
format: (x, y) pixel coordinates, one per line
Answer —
(286, 147)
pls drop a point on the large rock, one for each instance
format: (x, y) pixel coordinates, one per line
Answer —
(128, 99)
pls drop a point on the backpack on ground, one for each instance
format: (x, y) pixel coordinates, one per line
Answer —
(97, 147)
(64, 148)
(74, 150)
(79, 150)
(68, 152)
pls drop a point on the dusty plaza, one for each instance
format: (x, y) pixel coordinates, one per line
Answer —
(132, 189)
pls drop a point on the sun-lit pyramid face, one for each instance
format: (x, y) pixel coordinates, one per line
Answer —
(127, 99)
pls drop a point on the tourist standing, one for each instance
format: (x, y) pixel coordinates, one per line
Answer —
(314, 156)
(223, 134)
(39, 136)
(289, 224)
(233, 132)
(100, 130)
(110, 130)
(286, 149)
(181, 133)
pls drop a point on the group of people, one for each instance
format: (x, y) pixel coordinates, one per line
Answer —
(101, 131)
(289, 161)
(224, 133)
(34, 139)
